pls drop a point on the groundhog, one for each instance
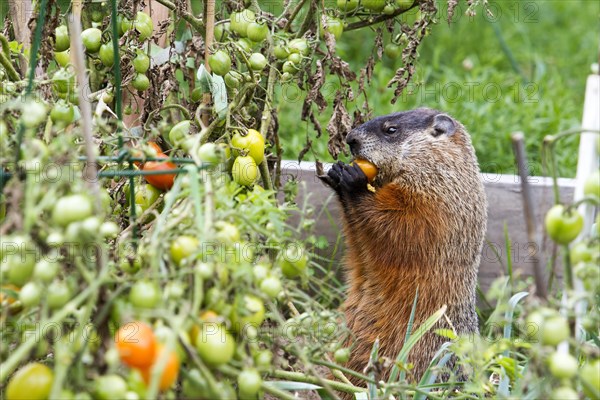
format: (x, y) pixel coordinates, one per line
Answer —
(421, 228)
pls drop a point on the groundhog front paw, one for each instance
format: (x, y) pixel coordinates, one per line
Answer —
(353, 179)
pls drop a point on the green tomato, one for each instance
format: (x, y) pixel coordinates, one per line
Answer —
(554, 330)
(341, 356)
(251, 313)
(293, 261)
(107, 54)
(179, 132)
(333, 26)
(245, 45)
(257, 32)
(222, 31)
(289, 68)
(226, 232)
(563, 227)
(144, 294)
(183, 247)
(562, 365)
(62, 40)
(110, 387)
(92, 39)
(244, 171)
(58, 295)
(564, 393)
(404, 4)
(240, 21)
(63, 113)
(145, 195)
(591, 186)
(34, 113)
(32, 382)
(373, 5)
(46, 270)
(392, 50)
(281, 51)
(263, 359)
(141, 63)
(233, 79)
(210, 153)
(295, 59)
(257, 61)
(220, 63)
(299, 45)
(62, 57)
(214, 344)
(20, 264)
(389, 9)
(580, 252)
(253, 143)
(140, 82)
(30, 294)
(249, 382)
(271, 286)
(196, 94)
(590, 378)
(142, 24)
(347, 5)
(71, 208)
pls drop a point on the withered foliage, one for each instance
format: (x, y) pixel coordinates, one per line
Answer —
(339, 125)
(415, 35)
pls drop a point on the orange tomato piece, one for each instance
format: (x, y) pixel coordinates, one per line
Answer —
(369, 169)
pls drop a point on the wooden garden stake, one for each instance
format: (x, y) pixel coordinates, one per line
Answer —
(528, 210)
(210, 35)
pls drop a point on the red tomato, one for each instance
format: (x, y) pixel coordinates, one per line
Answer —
(162, 181)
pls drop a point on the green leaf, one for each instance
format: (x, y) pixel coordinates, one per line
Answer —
(205, 79)
(447, 333)
(190, 62)
(324, 394)
(219, 95)
(292, 386)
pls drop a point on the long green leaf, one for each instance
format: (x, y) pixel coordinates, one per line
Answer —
(396, 369)
(503, 387)
(431, 374)
(292, 386)
(373, 358)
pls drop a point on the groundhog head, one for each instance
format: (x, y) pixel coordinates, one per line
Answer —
(421, 145)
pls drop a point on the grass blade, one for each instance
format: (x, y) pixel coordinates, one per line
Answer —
(503, 387)
(373, 358)
(396, 370)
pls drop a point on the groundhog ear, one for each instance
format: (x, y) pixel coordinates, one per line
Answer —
(443, 125)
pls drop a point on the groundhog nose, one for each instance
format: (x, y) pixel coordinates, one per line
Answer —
(353, 142)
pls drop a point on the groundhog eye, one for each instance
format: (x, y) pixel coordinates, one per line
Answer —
(391, 130)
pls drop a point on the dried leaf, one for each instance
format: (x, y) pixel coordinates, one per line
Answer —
(451, 7)
(338, 127)
(315, 82)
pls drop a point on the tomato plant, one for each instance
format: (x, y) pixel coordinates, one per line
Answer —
(214, 344)
(220, 62)
(61, 38)
(91, 39)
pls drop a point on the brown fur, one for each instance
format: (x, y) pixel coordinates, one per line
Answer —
(422, 228)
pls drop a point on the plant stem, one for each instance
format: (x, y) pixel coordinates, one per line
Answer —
(13, 75)
(376, 20)
(280, 394)
(196, 23)
(300, 377)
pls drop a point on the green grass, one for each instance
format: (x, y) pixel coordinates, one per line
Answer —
(553, 44)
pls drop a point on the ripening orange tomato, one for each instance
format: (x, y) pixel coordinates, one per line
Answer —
(136, 344)
(169, 373)
(160, 181)
(369, 169)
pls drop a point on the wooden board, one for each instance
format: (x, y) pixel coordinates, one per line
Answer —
(504, 209)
